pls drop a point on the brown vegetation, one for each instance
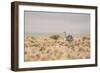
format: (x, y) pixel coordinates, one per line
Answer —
(55, 48)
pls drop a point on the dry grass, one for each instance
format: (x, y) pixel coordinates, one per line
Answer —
(46, 48)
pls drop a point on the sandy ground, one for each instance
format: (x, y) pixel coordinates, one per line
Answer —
(46, 48)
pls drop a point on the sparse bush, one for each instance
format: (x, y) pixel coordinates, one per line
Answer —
(55, 37)
(32, 37)
(85, 38)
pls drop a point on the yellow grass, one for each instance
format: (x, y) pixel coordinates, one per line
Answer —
(45, 48)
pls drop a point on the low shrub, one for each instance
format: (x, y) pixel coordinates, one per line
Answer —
(55, 37)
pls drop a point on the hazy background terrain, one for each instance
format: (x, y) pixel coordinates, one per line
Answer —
(44, 22)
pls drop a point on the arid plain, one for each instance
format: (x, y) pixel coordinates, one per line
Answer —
(56, 47)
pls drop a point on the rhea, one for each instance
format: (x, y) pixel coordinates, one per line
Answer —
(68, 38)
